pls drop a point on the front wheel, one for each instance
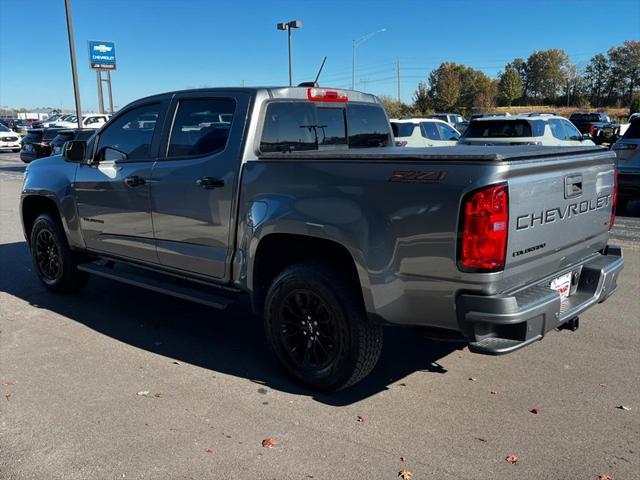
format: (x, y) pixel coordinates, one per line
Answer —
(54, 261)
(317, 327)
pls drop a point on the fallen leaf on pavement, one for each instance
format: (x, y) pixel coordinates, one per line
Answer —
(7, 383)
(603, 385)
(143, 393)
(403, 459)
(472, 379)
(512, 459)
(624, 407)
(362, 418)
(535, 411)
(604, 477)
(209, 450)
(405, 474)
(269, 442)
(493, 392)
(7, 395)
(157, 395)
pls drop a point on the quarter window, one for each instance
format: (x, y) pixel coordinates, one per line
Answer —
(201, 127)
(131, 133)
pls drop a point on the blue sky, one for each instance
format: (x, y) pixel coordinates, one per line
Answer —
(170, 44)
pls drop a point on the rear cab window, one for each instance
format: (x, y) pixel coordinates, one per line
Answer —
(633, 132)
(295, 126)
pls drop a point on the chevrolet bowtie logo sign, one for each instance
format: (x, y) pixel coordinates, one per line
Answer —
(102, 48)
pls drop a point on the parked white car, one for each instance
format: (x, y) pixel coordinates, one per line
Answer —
(423, 132)
(9, 140)
(88, 121)
(524, 129)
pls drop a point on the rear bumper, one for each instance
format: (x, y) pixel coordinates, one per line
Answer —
(505, 323)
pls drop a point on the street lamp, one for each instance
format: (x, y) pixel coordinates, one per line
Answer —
(356, 42)
(288, 26)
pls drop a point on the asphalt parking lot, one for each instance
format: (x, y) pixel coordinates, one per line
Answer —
(118, 382)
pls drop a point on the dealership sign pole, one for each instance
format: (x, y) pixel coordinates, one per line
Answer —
(102, 57)
(74, 70)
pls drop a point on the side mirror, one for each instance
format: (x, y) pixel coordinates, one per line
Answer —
(74, 151)
(586, 136)
(110, 154)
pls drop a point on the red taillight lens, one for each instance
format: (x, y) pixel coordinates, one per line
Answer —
(485, 226)
(592, 129)
(322, 95)
(614, 199)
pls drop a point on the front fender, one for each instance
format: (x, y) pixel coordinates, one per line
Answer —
(53, 178)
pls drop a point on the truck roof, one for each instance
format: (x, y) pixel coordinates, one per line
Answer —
(453, 153)
(298, 93)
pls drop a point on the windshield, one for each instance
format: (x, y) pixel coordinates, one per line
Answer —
(62, 137)
(499, 129)
(4, 129)
(50, 133)
(633, 131)
(585, 117)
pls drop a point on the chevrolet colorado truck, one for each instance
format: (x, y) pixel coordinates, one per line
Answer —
(297, 198)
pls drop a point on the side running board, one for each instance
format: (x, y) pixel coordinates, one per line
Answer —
(185, 289)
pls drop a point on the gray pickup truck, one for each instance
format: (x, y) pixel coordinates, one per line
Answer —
(297, 198)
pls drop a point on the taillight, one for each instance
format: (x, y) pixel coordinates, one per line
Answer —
(484, 230)
(614, 199)
(323, 95)
(592, 129)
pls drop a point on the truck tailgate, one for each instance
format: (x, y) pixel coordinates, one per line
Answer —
(559, 213)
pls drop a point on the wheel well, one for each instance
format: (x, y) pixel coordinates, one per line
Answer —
(33, 206)
(277, 251)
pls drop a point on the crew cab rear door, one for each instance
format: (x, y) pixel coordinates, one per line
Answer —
(194, 181)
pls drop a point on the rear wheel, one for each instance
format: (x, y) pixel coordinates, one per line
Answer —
(54, 261)
(317, 327)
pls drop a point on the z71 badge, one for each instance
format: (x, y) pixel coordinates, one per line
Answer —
(418, 176)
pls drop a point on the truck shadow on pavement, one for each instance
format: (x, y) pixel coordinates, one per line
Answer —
(231, 342)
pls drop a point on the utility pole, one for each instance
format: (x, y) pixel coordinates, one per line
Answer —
(398, 72)
(74, 70)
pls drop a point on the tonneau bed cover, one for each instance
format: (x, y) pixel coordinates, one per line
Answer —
(458, 152)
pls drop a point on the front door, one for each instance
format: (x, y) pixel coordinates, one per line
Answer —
(194, 181)
(113, 191)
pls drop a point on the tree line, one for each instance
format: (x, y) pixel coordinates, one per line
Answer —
(546, 77)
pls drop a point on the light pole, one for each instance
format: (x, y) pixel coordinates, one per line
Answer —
(356, 42)
(74, 70)
(288, 26)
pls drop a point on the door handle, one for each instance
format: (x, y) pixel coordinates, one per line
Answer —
(134, 181)
(210, 182)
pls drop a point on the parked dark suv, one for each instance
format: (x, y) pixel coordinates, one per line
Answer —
(596, 124)
(35, 143)
(67, 135)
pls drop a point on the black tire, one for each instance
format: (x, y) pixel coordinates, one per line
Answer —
(336, 327)
(54, 262)
(15, 150)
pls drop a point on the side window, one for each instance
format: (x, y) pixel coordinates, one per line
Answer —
(556, 129)
(201, 127)
(572, 132)
(430, 131)
(447, 133)
(131, 133)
